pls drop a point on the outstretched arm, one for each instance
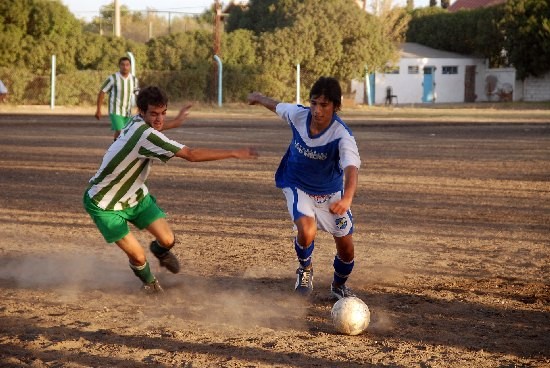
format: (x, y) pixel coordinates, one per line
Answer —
(179, 119)
(351, 176)
(208, 154)
(256, 98)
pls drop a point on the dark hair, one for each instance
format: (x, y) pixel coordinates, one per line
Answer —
(124, 58)
(151, 96)
(330, 88)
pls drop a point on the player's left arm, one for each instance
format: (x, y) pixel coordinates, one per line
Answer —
(351, 177)
(179, 119)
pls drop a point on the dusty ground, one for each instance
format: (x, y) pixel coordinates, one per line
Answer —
(452, 250)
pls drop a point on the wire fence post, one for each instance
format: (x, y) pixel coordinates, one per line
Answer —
(217, 58)
(132, 63)
(52, 91)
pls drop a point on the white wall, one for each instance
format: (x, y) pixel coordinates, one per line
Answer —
(505, 80)
(448, 87)
(531, 89)
(537, 89)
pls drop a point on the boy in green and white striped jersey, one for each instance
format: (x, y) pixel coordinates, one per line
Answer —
(121, 87)
(117, 193)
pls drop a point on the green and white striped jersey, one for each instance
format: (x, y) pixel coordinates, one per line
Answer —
(121, 93)
(120, 181)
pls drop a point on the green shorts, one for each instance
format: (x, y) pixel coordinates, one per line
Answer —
(113, 225)
(118, 122)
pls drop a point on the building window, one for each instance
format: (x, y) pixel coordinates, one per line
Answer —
(450, 70)
(392, 70)
(413, 69)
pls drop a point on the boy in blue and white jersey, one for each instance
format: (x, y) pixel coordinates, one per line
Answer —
(117, 194)
(318, 176)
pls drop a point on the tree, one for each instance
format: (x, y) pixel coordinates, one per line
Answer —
(341, 39)
(472, 32)
(445, 3)
(49, 28)
(526, 26)
(263, 15)
(433, 3)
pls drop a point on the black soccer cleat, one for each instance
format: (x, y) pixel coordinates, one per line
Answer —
(167, 260)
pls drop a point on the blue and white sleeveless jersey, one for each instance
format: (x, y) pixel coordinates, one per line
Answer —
(315, 164)
(120, 181)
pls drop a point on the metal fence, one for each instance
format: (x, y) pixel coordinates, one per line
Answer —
(198, 84)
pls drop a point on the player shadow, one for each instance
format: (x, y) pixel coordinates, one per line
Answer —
(161, 346)
(416, 318)
(271, 303)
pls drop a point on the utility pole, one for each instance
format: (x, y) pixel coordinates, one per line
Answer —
(117, 18)
(217, 27)
(216, 49)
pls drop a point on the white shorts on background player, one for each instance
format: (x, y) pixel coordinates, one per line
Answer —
(299, 203)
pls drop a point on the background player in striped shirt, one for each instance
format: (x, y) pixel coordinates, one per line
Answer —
(121, 87)
(311, 174)
(117, 193)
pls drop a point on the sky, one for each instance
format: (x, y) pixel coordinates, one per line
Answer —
(90, 8)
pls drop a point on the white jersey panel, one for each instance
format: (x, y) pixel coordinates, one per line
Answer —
(120, 181)
(121, 93)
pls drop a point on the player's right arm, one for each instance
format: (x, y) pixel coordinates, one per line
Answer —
(208, 154)
(100, 97)
(257, 98)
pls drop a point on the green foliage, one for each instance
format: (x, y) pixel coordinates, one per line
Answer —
(526, 25)
(516, 33)
(9, 36)
(188, 84)
(25, 88)
(260, 48)
(473, 32)
(341, 40)
(79, 87)
(15, 13)
(173, 52)
(39, 29)
(263, 15)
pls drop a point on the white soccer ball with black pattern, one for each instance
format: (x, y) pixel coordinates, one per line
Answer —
(350, 316)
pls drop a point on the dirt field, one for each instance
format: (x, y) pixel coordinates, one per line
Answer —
(452, 250)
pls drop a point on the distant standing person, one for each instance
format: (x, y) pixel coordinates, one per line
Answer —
(322, 153)
(121, 87)
(3, 92)
(117, 193)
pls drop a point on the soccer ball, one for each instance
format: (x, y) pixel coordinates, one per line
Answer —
(350, 316)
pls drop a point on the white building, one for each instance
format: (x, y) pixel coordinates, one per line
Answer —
(426, 75)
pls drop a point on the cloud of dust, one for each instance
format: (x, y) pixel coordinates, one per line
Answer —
(241, 303)
(249, 301)
(70, 273)
(380, 322)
